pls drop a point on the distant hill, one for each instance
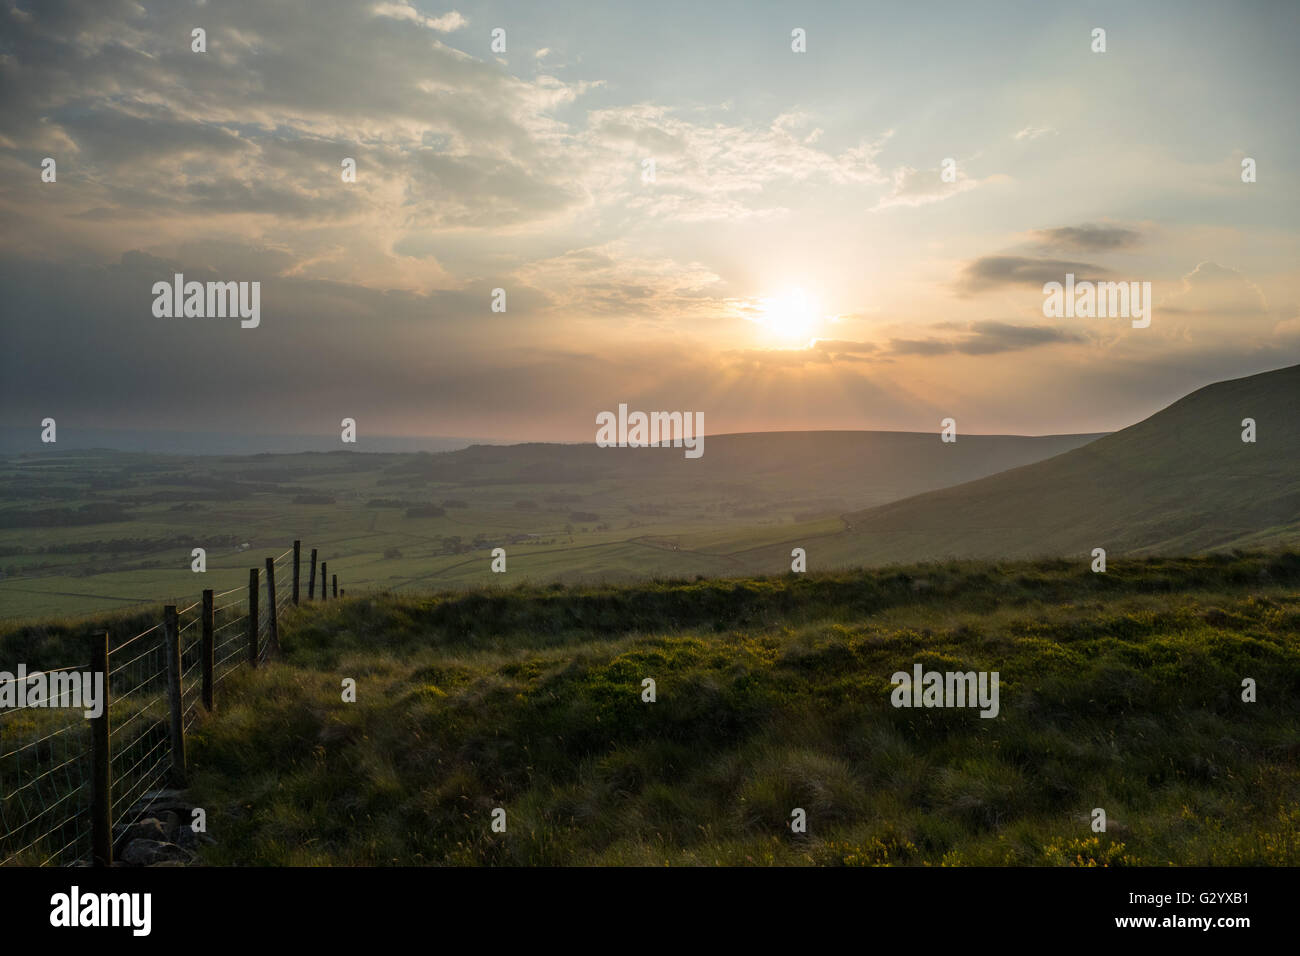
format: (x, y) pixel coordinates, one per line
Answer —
(27, 439)
(857, 468)
(1182, 481)
(86, 530)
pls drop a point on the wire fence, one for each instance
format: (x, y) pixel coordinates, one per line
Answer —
(44, 772)
(49, 814)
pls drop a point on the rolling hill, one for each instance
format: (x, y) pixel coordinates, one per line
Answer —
(84, 531)
(867, 467)
(1179, 482)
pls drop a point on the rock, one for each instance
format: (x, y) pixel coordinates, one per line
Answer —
(171, 822)
(187, 838)
(155, 802)
(145, 852)
(150, 828)
(163, 836)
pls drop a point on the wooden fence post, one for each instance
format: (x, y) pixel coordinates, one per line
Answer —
(101, 813)
(273, 629)
(297, 556)
(252, 616)
(336, 585)
(323, 579)
(311, 577)
(207, 653)
(172, 647)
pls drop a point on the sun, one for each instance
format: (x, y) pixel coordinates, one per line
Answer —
(792, 318)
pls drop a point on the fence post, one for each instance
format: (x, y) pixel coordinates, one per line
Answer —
(322, 580)
(297, 556)
(101, 814)
(172, 646)
(273, 629)
(336, 585)
(206, 651)
(311, 577)
(252, 616)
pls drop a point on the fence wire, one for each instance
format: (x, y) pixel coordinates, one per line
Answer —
(45, 751)
(44, 784)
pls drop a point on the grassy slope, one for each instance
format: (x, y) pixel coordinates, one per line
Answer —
(1179, 482)
(1119, 691)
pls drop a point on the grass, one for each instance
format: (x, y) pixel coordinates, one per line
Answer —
(1120, 691)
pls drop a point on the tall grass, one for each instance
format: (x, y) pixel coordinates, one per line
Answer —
(1120, 691)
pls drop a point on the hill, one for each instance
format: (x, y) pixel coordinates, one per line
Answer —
(84, 531)
(1120, 691)
(1180, 482)
(811, 465)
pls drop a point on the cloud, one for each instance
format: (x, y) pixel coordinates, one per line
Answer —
(713, 170)
(1033, 132)
(612, 280)
(841, 345)
(398, 362)
(1088, 238)
(970, 338)
(1215, 291)
(246, 140)
(158, 146)
(992, 272)
(988, 338)
(402, 10)
(914, 187)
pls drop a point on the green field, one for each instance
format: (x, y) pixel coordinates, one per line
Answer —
(84, 532)
(1119, 691)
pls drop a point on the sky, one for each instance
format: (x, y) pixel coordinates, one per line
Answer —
(796, 261)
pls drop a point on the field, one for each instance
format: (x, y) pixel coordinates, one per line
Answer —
(1120, 691)
(84, 532)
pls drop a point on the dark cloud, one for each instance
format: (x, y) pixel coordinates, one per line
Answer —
(260, 122)
(1088, 238)
(987, 338)
(991, 272)
(114, 137)
(90, 347)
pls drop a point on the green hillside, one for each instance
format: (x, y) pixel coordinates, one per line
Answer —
(1119, 691)
(1180, 482)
